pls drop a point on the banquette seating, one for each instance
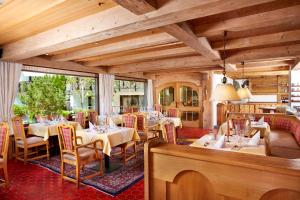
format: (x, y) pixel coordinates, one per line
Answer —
(284, 137)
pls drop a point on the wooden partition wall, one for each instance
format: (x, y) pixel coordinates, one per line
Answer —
(223, 109)
(180, 172)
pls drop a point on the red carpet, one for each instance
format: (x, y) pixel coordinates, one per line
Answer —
(191, 133)
(31, 182)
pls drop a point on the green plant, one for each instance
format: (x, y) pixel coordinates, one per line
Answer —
(81, 86)
(44, 95)
(19, 110)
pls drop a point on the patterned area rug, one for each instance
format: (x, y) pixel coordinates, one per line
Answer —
(113, 182)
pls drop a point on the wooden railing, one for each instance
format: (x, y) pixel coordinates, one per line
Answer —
(182, 172)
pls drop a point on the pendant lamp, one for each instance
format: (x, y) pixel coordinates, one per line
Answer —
(224, 91)
(244, 92)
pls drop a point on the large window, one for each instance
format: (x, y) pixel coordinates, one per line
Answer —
(128, 93)
(52, 94)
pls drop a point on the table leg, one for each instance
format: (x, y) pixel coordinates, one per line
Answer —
(106, 161)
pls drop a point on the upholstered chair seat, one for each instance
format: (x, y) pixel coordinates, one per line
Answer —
(84, 154)
(31, 141)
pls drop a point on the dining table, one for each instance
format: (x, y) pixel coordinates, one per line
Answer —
(264, 128)
(208, 141)
(110, 137)
(49, 128)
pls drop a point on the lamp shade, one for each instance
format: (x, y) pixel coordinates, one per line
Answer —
(244, 93)
(224, 92)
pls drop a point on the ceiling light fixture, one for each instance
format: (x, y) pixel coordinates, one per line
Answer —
(225, 91)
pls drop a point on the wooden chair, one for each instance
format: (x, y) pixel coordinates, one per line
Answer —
(172, 112)
(157, 107)
(4, 142)
(22, 142)
(169, 132)
(80, 118)
(93, 117)
(77, 155)
(242, 123)
(129, 121)
(145, 130)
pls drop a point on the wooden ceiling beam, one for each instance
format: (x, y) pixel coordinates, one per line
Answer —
(171, 63)
(178, 51)
(138, 7)
(102, 26)
(184, 33)
(42, 61)
(280, 17)
(264, 53)
(130, 44)
(181, 31)
(184, 70)
(276, 38)
(237, 75)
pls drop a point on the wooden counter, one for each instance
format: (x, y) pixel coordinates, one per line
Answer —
(183, 172)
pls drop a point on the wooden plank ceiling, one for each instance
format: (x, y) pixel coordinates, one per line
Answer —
(149, 37)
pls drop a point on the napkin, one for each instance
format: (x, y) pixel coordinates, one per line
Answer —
(220, 143)
(253, 142)
(92, 128)
(261, 120)
(111, 123)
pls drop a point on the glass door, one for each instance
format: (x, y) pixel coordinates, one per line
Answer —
(184, 97)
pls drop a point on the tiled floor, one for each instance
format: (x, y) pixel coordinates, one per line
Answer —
(31, 182)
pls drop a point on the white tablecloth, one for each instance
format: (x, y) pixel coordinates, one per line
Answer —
(207, 142)
(46, 130)
(112, 138)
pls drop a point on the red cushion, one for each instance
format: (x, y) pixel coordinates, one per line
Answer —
(3, 132)
(282, 123)
(140, 122)
(67, 138)
(295, 129)
(128, 121)
(170, 133)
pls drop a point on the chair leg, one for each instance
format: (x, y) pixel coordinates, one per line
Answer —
(47, 149)
(62, 170)
(16, 153)
(124, 156)
(25, 154)
(5, 174)
(77, 175)
(134, 150)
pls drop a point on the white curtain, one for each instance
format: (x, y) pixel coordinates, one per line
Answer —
(106, 84)
(149, 94)
(9, 79)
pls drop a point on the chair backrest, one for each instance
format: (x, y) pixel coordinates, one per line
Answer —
(18, 128)
(130, 121)
(4, 139)
(141, 121)
(157, 107)
(80, 118)
(169, 132)
(172, 112)
(66, 137)
(238, 122)
(127, 110)
(93, 117)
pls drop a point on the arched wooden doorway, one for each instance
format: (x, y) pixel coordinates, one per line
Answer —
(186, 97)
